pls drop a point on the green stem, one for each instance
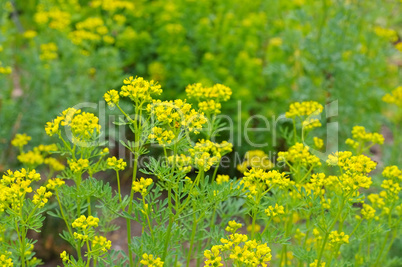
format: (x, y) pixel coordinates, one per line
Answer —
(193, 231)
(118, 185)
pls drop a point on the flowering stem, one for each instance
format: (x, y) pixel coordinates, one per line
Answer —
(118, 185)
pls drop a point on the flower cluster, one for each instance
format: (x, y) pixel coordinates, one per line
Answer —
(52, 184)
(209, 98)
(111, 97)
(54, 164)
(360, 137)
(318, 142)
(275, 211)
(336, 238)
(79, 165)
(206, 154)
(140, 90)
(255, 159)
(299, 154)
(151, 261)
(220, 179)
(241, 250)
(14, 187)
(141, 185)
(83, 125)
(41, 197)
(182, 162)
(163, 137)
(93, 30)
(84, 223)
(20, 140)
(177, 113)
(395, 97)
(54, 18)
(101, 243)
(256, 180)
(306, 108)
(368, 212)
(5, 260)
(48, 52)
(116, 164)
(218, 92)
(389, 34)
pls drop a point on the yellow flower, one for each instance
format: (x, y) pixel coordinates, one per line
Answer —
(141, 185)
(390, 34)
(20, 140)
(54, 164)
(65, 257)
(368, 212)
(299, 154)
(177, 113)
(307, 108)
(101, 243)
(210, 106)
(182, 162)
(315, 264)
(52, 184)
(336, 238)
(5, 260)
(222, 179)
(395, 97)
(48, 52)
(85, 223)
(65, 119)
(392, 172)
(218, 92)
(151, 261)
(233, 226)
(30, 34)
(318, 142)
(140, 90)
(163, 138)
(41, 197)
(14, 186)
(212, 257)
(255, 159)
(111, 97)
(115, 164)
(275, 211)
(32, 158)
(206, 154)
(78, 166)
(311, 123)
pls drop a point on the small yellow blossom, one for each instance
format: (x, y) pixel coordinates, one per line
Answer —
(307, 108)
(78, 166)
(336, 238)
(151, 261)
(52, 184)
(5, 260)
(84, 223)
(255, 159)
(220, 179)
(111, 97)
(116, 164)
(395, 97)
(41, 197)
(20, 140)
(141, 185)
(275, 211)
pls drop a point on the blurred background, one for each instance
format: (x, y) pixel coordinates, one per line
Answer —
(58, 53)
